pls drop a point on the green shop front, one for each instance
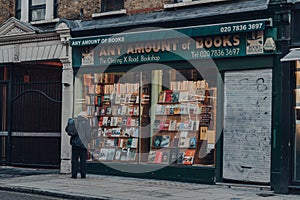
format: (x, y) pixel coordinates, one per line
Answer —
(191, 104)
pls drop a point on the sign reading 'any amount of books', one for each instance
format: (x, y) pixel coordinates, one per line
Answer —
(229, 40)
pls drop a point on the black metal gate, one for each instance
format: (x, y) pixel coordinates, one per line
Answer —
(3, 120)
(36, 115)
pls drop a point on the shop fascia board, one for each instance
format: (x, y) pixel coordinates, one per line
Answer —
(210, 10)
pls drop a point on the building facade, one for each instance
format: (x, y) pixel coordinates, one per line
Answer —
(197, 91)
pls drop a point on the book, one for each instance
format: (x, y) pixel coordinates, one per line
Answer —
(158, 157)
(103, 153)
(175, 97)
(175, 142)
(193, 142)
(103, 111)
(168, 96)
(180, 158)
(134, 143)
(127, 98)
(165, 157)
(188, 158)
(156, 124)
(161, 97)
(157, 141)
(122, 99)
(173, 155)
(151, 156)
(176, 109)
(132, 154)
(166, 125)
(104, 122)
(183, 140)
(108, 111)
(124, 155)
(117, 98)
(124, 110)
(172, 125)
(183, 96)
(114, 121)
(117, 154)
(110, 154)
(165, 141)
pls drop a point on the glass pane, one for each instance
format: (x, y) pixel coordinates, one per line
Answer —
(18, 4)
(184, 128)
(38, 2)
(38, 14)
(297, 131)
(116, 109)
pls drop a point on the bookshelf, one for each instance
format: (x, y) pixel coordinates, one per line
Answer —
(183, 131)
(117, 107)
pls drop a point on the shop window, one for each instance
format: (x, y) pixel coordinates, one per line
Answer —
(111, 5)
(169, 121)
(297, 130)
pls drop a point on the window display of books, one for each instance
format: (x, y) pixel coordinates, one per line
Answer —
(182, 114)
(116, 114)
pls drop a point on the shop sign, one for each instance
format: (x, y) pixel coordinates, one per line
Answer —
(166, 34)
(118, 51)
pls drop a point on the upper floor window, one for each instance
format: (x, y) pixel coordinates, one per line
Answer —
(18, 9)
(37, 10)
(111, 5)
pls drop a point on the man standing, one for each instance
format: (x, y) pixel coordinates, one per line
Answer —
(80, 131)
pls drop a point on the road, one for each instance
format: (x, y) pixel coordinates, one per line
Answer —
(8, 195)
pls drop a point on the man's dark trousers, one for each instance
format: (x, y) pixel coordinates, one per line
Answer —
(79, 153)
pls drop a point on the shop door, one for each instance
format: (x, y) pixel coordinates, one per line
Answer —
(247, 126)
(36, 116)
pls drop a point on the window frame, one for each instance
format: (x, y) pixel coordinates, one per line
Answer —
(36, 7)
(114, 5)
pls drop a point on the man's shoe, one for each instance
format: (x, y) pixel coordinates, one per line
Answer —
(73, 177)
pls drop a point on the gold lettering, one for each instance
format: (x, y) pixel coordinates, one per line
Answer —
(139, 48)
(236, 40)
(174, 45)
(130, 49)
(165, 46)
(226, 41)
(208, 42)
(102, 51)
(118, 48)
(217, 41)
(199, 43)
(148, 47)
(157, 47)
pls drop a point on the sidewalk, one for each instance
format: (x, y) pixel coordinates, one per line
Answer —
(113, 187)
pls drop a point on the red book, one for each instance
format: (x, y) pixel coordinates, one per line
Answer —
(168, 96)
(188, 158)
(158, 157)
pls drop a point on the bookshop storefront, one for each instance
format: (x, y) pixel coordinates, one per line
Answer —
(183, 104)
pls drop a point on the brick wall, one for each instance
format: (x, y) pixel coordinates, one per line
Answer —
(71, 9)
(144, 6)
(7, 10)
